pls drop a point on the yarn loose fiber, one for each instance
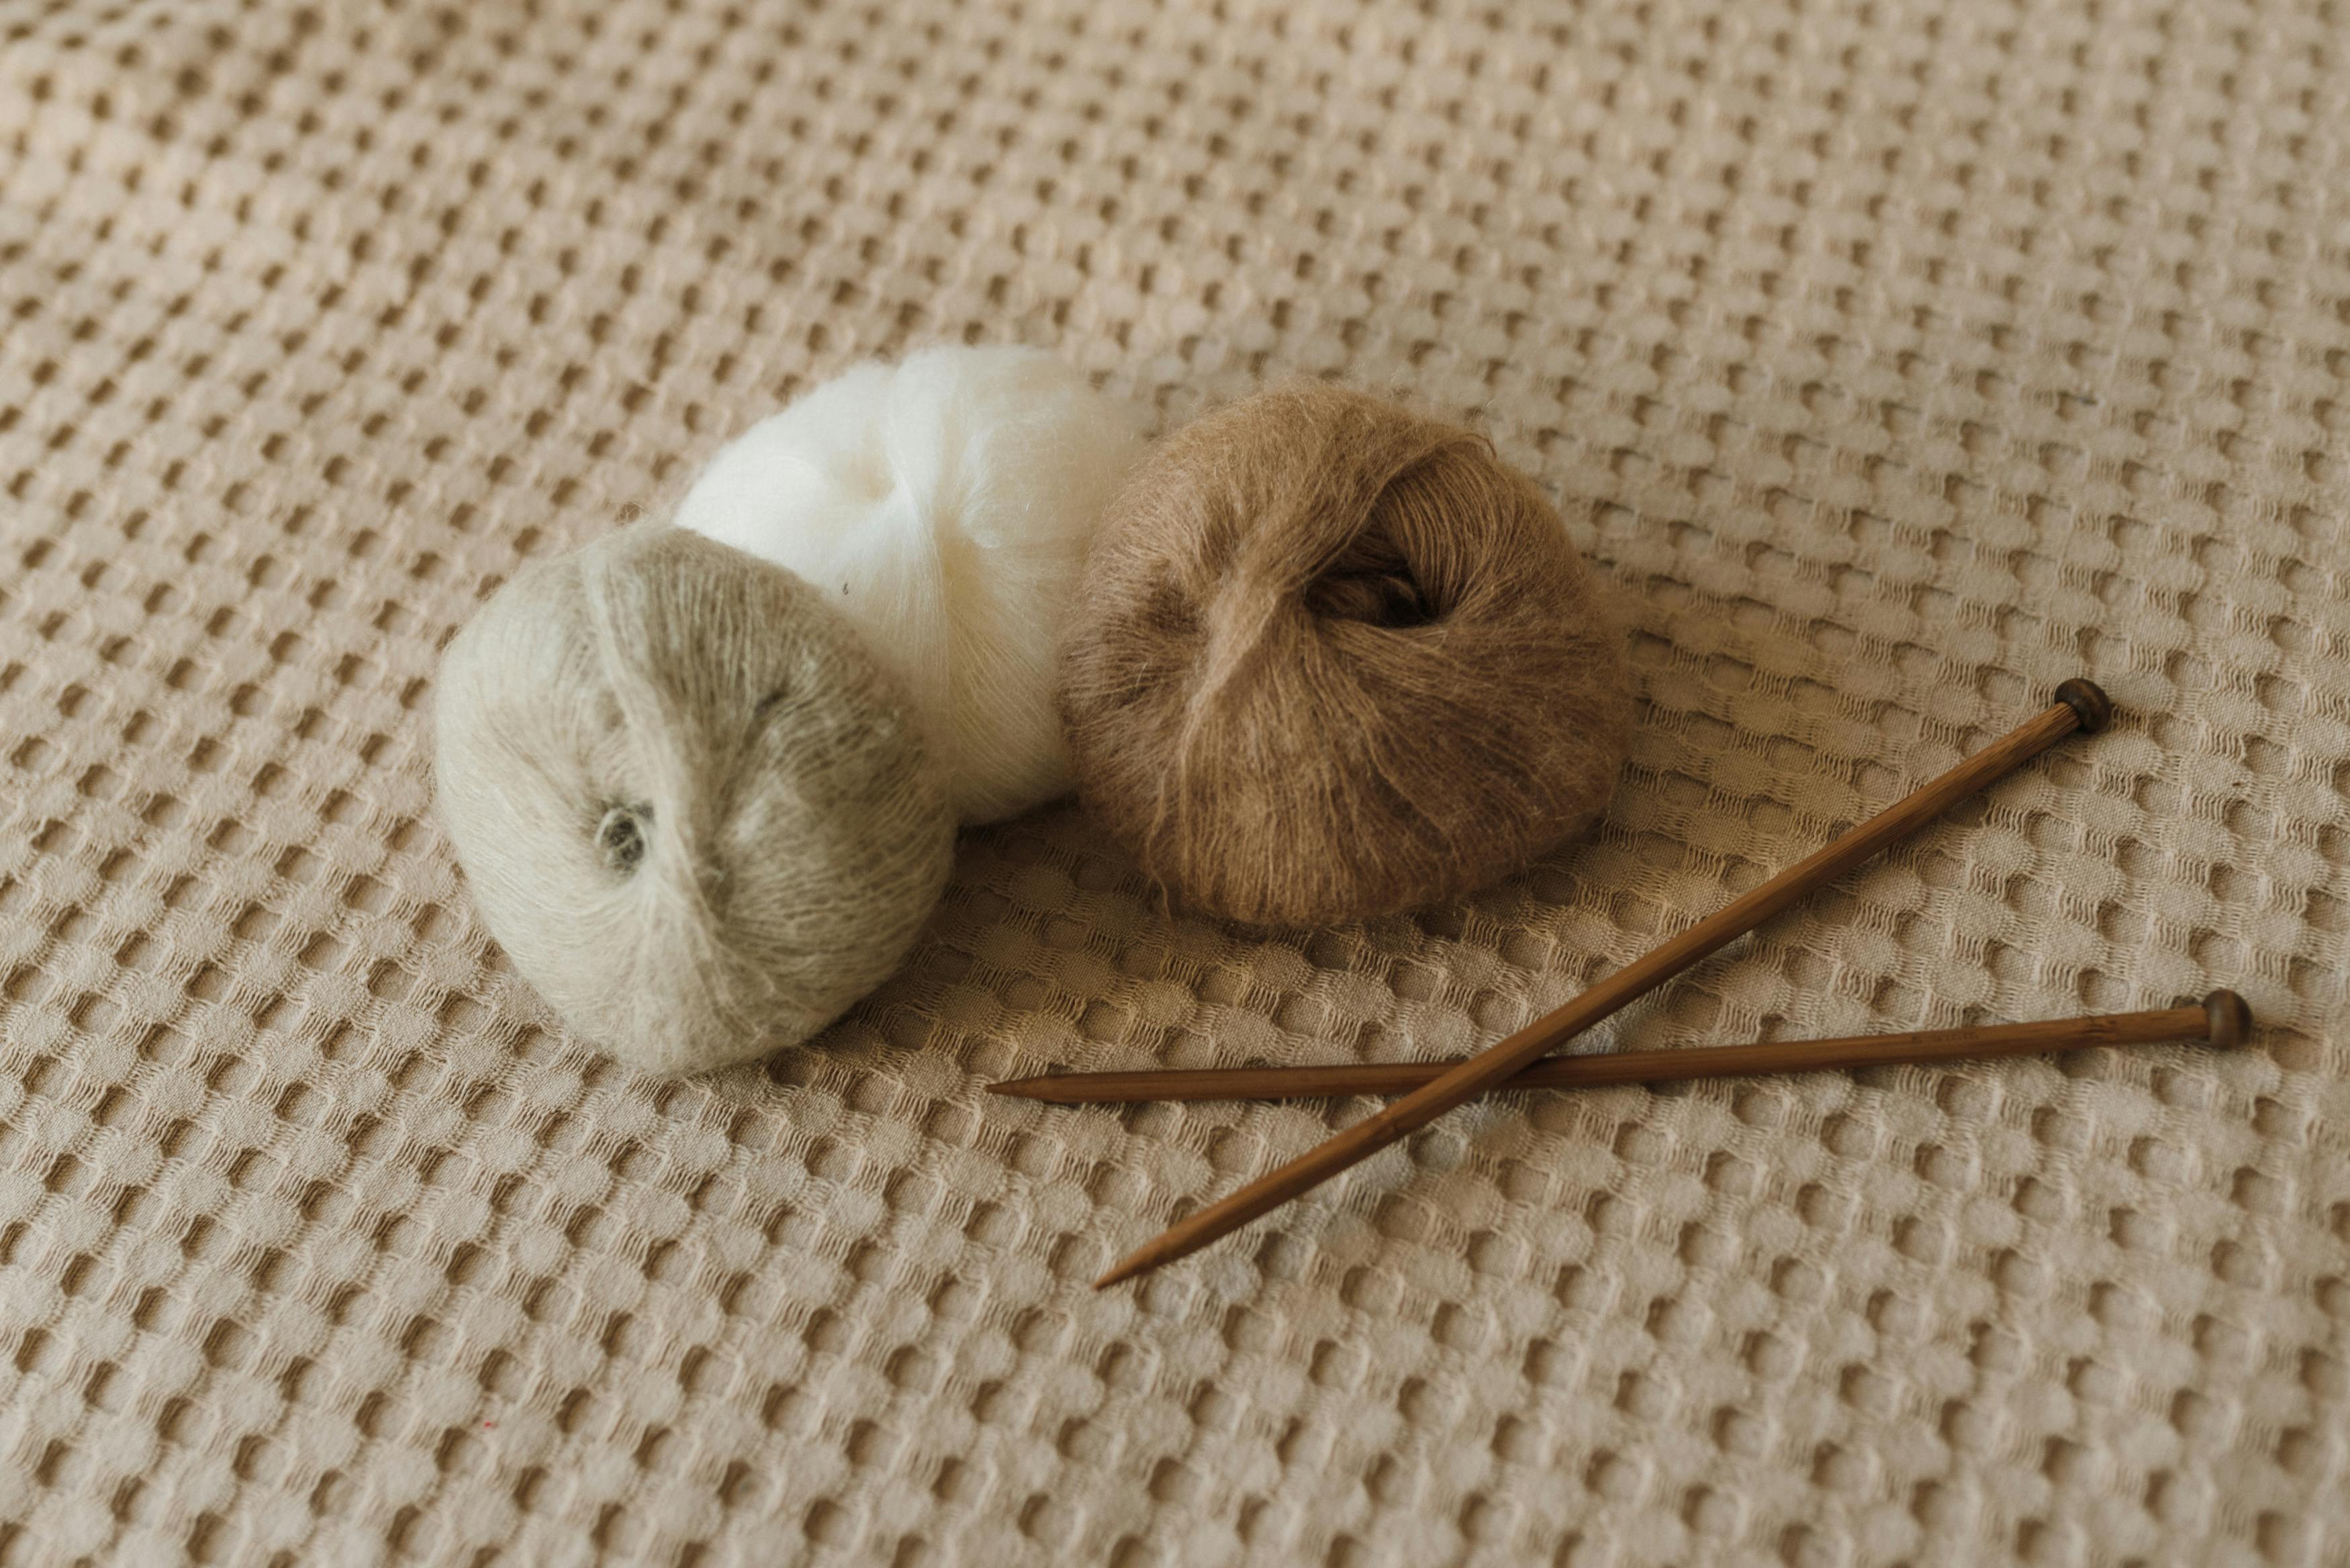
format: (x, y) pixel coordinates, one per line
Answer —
(945, 506)
(693, 810)
(1332, 659)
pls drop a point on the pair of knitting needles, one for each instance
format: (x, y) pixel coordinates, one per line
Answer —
(1429, 1089)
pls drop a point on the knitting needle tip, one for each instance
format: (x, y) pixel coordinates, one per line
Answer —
(1141, 1262)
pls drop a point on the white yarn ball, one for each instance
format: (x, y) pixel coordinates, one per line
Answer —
(945, 505)
(693, 810)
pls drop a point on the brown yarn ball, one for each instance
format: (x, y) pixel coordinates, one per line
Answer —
(1332, 659)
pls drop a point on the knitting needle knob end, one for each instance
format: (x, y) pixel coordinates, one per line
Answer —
(2088, 701)
(2228, 1019)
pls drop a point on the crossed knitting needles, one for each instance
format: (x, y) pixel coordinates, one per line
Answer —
(1429, 1089)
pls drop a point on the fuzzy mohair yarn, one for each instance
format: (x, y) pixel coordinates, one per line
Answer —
(1332, 659)
(944, 505)
(692, 807)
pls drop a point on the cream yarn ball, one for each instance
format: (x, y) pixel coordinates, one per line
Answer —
(944, 505)
(695, 812)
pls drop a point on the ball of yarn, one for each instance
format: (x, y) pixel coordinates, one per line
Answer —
(1332, 659)
(693, 810)
(945, 506)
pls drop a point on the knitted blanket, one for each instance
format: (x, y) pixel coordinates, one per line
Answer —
(1894, 359)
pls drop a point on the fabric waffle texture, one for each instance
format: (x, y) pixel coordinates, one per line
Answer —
(1893, 360)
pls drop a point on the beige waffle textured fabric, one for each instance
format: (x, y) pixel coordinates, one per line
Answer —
(1894, 359)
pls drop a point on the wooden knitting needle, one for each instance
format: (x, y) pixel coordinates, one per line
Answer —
(2220, 1019)
(2080, 705)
